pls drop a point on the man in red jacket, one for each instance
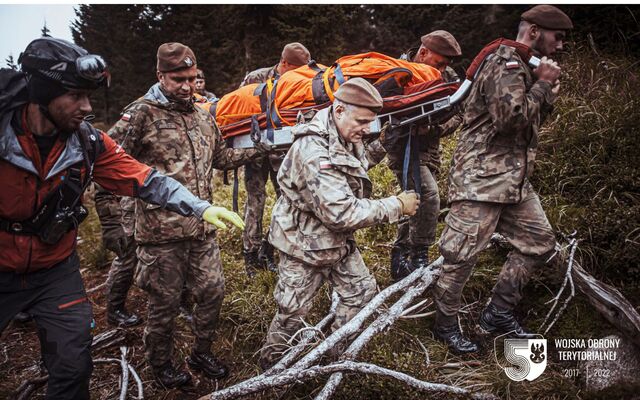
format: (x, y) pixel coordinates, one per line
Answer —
(48, 155)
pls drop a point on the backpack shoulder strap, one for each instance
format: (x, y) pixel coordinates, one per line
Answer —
(92, 146)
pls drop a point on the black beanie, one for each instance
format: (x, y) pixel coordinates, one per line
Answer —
(42, 91)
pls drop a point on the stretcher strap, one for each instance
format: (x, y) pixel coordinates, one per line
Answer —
(235, 190)
(415, 161)
(272, 117)
(412, 160)
(405, 164)
(339, 77)
(327, 86)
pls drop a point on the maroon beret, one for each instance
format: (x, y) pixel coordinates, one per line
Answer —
(296, 54)
(361, 93)
(174, 56)
(443, 43)
(548, 17)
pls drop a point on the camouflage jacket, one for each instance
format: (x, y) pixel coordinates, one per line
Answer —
(497, 147)
(324, 187)
(260, 75)
(181, 141)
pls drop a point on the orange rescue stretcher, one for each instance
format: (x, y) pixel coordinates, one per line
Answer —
(411, 92)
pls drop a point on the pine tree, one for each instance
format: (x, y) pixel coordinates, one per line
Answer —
(44, 32)
(11, 62)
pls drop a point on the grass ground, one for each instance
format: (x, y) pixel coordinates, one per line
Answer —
(586, 168)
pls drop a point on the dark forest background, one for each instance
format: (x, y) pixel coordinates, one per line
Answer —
(230, 40)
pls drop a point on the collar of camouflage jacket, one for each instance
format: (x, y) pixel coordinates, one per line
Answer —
(353, 162)
(156, 96)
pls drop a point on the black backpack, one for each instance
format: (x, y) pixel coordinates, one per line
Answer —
(13, 89)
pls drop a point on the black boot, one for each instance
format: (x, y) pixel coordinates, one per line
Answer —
(265, 256)
(208, 364)
(400, 264)
(23, 317)
(453, 337)
(497, 321)
(169, 377)
(252, 262)
(121, 317)
(419, 257)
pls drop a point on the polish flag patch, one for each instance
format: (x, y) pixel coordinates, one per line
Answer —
(325, 165)
(126, 117)
(512, 64)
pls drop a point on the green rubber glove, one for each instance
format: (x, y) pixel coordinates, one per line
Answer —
(214, 215)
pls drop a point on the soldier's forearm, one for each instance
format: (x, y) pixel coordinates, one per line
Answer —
(233, 158)
(171, 195)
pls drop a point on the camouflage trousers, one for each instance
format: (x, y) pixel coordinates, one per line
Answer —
(470, 225)
(163, 270)
(420, 229)
(121, 275)
(297, 285)
(256, 175)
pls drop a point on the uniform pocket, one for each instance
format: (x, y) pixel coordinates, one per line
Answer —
(324, 249)
(459, 239)
(146, 272)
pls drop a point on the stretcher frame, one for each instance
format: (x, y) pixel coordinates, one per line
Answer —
(429, 112)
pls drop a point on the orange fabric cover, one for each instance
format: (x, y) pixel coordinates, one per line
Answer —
(294, 88)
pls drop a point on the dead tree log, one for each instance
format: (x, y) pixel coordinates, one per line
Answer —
(609, 302)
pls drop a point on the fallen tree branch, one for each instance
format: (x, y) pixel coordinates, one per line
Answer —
(291, 376)
(125, 373)
(26, 389)
(607, 300)
(107, 339)
(100, 286)
(569, 277)
(292, 354)
(381, 323)
(352, 327)
(133, 372)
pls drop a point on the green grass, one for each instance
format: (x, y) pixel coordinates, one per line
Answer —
(588, 178)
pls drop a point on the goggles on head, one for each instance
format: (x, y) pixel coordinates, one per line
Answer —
(91, 70)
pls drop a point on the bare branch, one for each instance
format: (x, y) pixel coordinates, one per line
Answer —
(291, 376)
(381, 323)
(125, 373)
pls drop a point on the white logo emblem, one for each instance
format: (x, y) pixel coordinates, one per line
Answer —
(59, 67)
(528, 358)
(188, 61)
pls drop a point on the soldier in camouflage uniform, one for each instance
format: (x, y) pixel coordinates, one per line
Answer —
(117, 219)
(415, 235)
(324, 201)
(166, 130)
(258, 254)
(489, 188)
